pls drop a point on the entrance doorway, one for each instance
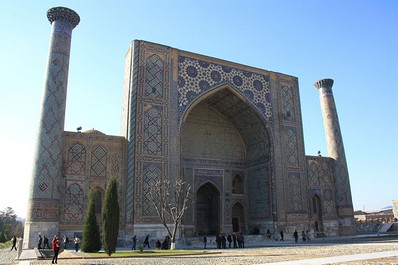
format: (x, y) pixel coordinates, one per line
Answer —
(317, 214)
(238, 218)
(208, 210)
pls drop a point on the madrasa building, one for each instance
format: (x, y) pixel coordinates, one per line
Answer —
(233, 132)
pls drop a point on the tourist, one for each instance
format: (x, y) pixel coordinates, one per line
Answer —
(77, 242)
(158, 244)
(218, 241)
(65, 240)
(146, 241)
(39, 242)
(134, 242)
(282, 235)
(45, 243)
(295, 235)
(14, 243)
(229, 238)
(223, 241)
(242, 241)
(268, 234)
(234, 240)
(204, 242)
(56, 247)
(303, 236)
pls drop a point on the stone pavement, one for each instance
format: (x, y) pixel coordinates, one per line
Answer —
(331, 251)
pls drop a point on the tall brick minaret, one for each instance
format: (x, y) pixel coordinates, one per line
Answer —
(336, 151)
(43, 206)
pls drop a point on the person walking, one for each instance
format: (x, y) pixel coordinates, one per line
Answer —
(134, 242)
(14, 243)
(45, 243)
(77, 242)
(204, 242)
(39, 242)
(146, 241)
(56, 247)
(282, 235)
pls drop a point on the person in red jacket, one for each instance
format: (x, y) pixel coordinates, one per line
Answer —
(56, 247)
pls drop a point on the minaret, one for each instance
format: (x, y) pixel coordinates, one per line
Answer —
(44, 198)
(336, 151)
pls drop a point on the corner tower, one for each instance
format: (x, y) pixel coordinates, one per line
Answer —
(336, 151)
(43, 207)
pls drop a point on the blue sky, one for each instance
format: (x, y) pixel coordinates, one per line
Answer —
(353, 42)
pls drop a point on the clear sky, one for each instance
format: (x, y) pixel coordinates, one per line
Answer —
(353, 42)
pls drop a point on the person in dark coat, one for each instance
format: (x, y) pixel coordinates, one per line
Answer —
(39, 242)
(45, 243)
(204, 242)
(295, 235)
(223, 241)
(229, 239)
(146, 241)
(134, 242)
(282, 235)
(234, 240)
(218, 241)
(14, 243)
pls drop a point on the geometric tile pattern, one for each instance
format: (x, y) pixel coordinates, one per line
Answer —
(76, 161)
(259, 193)
(288, 103)
(115, 164)
(98, 161)
(47, 168)
(196, 77)
(334, 141)
(154, 77)
(153, 131)
(313, 178)
(294, 194)
(74, 202)
(151, 175)
(291, 147)
(131, 134)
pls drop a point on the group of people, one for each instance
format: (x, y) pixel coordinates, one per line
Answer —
(56, 244)
(159, 245)
(237, 239)
(304, 236)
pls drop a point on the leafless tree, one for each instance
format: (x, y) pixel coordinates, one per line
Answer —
(169, 207)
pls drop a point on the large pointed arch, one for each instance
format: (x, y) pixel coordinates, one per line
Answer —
(221, 132)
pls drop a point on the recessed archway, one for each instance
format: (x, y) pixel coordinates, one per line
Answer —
(207, 210)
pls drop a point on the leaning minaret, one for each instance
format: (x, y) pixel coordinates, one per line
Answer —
(43, 207)
(336, 151)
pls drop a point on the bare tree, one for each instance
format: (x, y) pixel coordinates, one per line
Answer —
(168, 207)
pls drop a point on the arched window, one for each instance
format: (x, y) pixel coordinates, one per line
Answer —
(237, 185)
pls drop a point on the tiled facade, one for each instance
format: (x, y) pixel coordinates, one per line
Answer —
(233, 132)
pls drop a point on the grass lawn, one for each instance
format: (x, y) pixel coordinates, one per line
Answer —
(148, 253)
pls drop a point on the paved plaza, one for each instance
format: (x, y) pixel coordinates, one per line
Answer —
(326, 251)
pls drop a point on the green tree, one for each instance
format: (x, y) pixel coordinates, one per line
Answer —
(9, 225)
(110, 218)
(91, 235)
